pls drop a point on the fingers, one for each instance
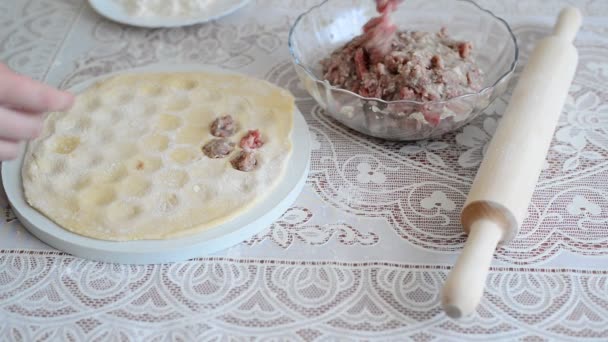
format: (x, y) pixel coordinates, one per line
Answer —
(19, 126)
(8, 149)
(387, 5)
(22, 93)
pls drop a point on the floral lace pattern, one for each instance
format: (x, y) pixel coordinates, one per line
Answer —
(364, 251)
(293, 226)
(210, 299)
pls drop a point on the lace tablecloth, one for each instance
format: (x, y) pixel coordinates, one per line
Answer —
(364, 251)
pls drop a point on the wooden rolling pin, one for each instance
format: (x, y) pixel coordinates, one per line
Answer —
(499, 198)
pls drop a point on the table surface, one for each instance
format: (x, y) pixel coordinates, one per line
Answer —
(364, 251)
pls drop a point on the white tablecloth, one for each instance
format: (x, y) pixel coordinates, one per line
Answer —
(364, 251)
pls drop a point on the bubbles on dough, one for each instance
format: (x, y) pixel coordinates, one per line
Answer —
(118, 96)
(83, 124)
(214, 95)
(106, 136)
(184, 84)
(183, 156)
(95, 160)
(246, 186)
(203, 191)
(66, 144)
(199, 117)
(155, 142)
(120, 212)
(168, 202)
(113, 174)
(191, 135)
(65, 124)
(124, 99)
(173, 178)
(136, 109)
(178, 104)
(150, 109)
(82, 182)
(97, 195)
(128, 150)
(244, 105)
(168, 122)
(71, 205)
(59, 166)
(93, 104)
(134, 186)
(151, 90)
(145, 163)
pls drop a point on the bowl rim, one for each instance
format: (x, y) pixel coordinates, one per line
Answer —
(482, 91)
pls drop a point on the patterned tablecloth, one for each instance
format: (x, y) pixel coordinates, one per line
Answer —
(364, 251)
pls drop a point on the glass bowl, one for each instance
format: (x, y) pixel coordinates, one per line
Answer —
(331, 24)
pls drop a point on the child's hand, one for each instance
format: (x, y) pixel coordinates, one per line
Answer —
(23, 102)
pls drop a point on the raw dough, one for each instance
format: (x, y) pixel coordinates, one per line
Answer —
(126, 163)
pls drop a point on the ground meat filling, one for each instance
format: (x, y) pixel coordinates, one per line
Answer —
(406, 65)
(245, 161)
(223, 127)
(218, 148)
(251, 141)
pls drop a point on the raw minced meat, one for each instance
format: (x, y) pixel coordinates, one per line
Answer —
(405, 65)
(245, 161)
(218, 148)
(252, 140)
(223, 127)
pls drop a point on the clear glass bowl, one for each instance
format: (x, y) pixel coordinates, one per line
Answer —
(323, 28)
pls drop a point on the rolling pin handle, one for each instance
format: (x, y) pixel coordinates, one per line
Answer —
(568, 23)
(465, 284)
